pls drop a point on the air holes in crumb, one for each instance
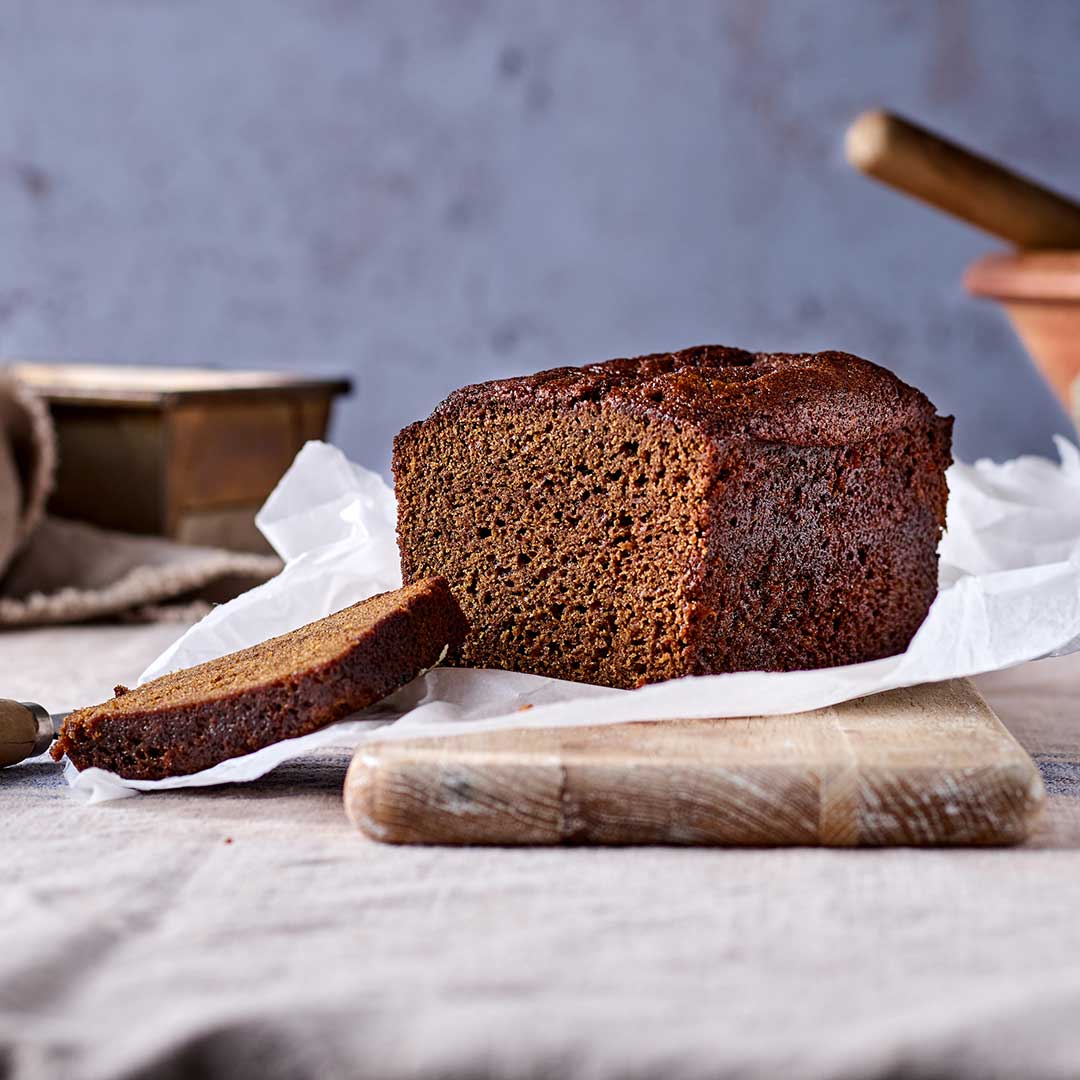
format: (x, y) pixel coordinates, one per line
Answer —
(483, 533)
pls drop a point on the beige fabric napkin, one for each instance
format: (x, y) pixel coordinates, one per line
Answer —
(247, 931)
(27, 463)
(55, 571)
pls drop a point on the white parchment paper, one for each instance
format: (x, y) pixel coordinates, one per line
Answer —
(1010, 592)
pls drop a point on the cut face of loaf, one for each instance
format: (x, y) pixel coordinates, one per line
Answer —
(697, 512)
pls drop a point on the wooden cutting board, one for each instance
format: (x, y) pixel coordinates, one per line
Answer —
(924, 766)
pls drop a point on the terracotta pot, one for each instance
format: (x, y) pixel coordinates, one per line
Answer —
(1040, 290)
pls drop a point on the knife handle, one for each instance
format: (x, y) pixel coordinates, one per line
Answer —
(26, 730)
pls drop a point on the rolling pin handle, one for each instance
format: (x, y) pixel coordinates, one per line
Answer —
(962, 183)
(26, 730)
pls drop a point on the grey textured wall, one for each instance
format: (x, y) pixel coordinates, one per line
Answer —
(425, 194)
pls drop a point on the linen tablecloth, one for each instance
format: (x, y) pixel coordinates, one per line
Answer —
(249, 931)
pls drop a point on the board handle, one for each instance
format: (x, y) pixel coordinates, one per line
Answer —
(962, 183)
(26, 730)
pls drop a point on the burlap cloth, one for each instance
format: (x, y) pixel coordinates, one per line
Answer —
(249, 932)
(54, 571)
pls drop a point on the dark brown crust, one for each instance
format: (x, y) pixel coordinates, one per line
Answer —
(696, 512)
(373, 648)
(802, 399)
(833, 555)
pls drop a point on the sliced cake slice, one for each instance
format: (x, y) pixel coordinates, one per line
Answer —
(288, 686)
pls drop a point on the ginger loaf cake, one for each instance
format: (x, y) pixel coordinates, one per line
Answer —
(686, 513)
(288, 686)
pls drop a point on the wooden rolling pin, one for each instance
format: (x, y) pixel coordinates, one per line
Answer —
(972, 188)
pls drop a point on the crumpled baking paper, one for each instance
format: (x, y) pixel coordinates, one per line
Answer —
(1010, 592)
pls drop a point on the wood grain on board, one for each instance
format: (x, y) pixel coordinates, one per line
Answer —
(924, 766)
